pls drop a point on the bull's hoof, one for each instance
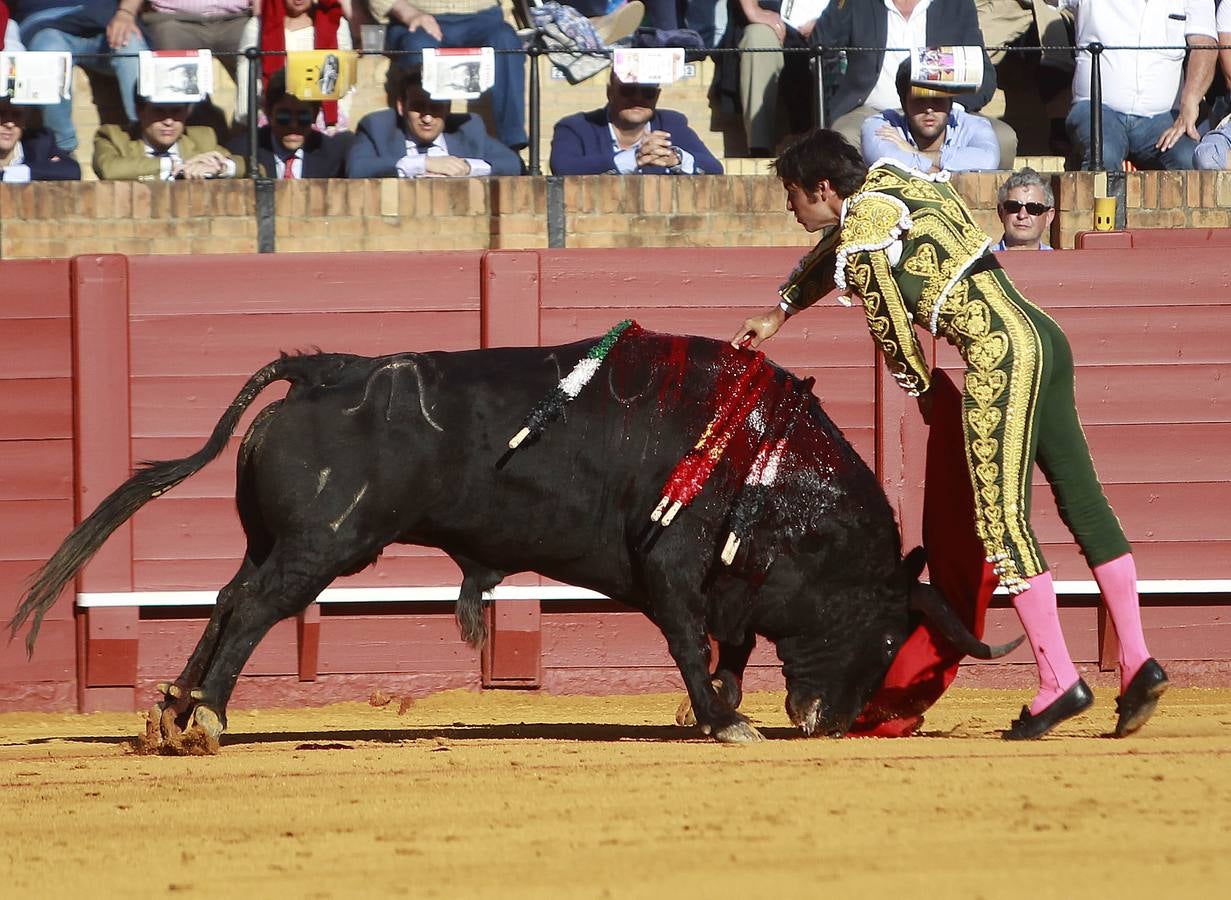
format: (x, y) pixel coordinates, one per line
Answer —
(207, 720)
(170, 731)
(728, 688)
(725, 685)
(684, 715)
(741, 732)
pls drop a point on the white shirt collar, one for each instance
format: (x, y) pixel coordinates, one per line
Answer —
(615, 138)
(19, 157)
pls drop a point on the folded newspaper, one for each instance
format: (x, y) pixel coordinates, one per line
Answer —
(175, 76)
(36, 78)
(648, 65)
(800, 12)
(456, 73)
(941, 71)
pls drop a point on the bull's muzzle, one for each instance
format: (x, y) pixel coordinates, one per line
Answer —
(804, 712)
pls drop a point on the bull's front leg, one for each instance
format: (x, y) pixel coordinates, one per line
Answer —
(690, 648)
(727, 679)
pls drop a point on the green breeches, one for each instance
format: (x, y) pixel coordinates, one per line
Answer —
(1019, 408)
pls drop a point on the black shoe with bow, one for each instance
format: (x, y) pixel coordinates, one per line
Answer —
(1135, 706)
(1075, 700)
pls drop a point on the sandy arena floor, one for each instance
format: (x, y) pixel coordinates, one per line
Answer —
(507, 794)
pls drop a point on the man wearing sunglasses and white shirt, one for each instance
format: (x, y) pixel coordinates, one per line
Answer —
(288, 147)
(1026, 206)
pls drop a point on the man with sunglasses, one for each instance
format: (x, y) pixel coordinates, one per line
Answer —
(160, 147)
(422, 138)
(30, 154)
(907, 247)
(1026, 206)
(629, 136)
(289, 147)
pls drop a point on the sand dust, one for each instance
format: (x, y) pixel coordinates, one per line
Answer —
(508, 794)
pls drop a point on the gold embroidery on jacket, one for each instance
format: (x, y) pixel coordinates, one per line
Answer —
(889, 320)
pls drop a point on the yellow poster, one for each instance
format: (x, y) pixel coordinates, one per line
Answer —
(321, 74)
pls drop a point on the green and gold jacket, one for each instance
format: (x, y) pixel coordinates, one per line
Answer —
(905, 241)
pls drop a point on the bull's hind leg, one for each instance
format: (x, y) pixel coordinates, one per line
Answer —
(291, 577)
(174, 713)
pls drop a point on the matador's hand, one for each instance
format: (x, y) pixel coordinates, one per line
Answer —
(759, 329)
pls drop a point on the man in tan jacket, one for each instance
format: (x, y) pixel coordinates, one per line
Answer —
(160, 147)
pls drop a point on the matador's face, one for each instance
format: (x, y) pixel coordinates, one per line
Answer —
(814, 209)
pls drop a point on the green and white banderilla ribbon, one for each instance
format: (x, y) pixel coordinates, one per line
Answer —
(550, 407)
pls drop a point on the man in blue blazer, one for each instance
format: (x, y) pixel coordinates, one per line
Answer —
(423, 139)
(30, 154)
(868, 85)
(629, 136)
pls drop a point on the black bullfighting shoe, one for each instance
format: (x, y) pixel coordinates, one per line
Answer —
(1136, 704)
(1075, 700)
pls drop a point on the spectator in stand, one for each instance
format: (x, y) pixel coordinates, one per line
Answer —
(213, 25)
(1140, 86)
(10, 34)
(85, 27)
(288, 147)
(929, 133)
(629, 136)
(1026, 207)
(463, 23)
(1212, 149)
(161, 148)
(869, 84)
(1034, 24)
(663, 15)
(770, 92)
(294, 25)
(423, 139)
(30, 154)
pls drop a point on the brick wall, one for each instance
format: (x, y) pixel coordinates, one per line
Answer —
(58, 220)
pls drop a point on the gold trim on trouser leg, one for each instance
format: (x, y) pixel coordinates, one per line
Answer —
(1004, 361)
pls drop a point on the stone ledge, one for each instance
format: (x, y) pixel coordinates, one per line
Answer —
(56, 220)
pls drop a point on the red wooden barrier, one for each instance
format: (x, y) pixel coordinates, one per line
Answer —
(36, 485)
(177, 337)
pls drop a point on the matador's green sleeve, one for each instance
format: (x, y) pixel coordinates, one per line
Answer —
(872, 224)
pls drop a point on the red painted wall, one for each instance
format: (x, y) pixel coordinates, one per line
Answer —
(36, 471)
(163, 344)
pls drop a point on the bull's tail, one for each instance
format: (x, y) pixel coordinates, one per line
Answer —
(150, 480)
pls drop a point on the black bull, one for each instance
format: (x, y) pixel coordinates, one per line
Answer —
(412, 448)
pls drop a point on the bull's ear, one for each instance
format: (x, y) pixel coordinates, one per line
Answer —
(914, 562)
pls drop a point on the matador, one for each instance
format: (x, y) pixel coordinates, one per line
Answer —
(904, 244)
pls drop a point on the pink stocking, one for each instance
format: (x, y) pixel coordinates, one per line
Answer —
(1118, 582)
(1036, 608)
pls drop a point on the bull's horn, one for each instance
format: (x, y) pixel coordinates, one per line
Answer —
(929, 601)
(730, 549)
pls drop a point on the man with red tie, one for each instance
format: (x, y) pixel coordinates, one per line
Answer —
(288, 147)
